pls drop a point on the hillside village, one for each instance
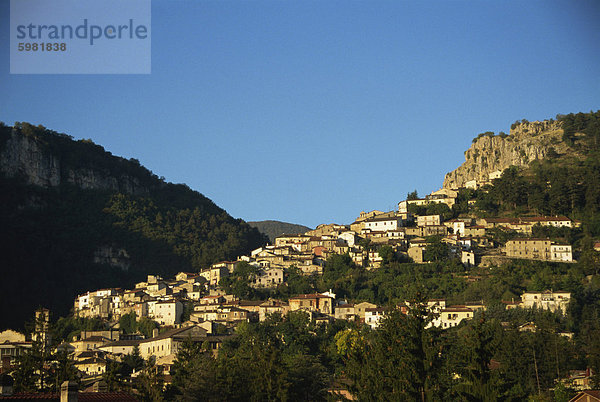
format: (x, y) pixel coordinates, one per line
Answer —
(516, 245)
(194, 305)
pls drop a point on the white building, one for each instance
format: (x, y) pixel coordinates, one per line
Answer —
(472, 184)
(426, 220)
(349, 237)
(169, 342)
(383, 224)
(495, 175)
(457, 226)
(452, 316)
(168, 312)
(547, 300)
(556, 221)
(268, 278)
(373, 316)
(561, 252)
(467, 258)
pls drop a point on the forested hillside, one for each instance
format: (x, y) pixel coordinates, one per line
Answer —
(277, 228)
(559, 184)
(75, 218)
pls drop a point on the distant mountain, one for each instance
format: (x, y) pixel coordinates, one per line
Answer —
(276, 228)
(74, 218)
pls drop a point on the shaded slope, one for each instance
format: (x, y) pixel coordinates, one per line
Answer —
(66, 202)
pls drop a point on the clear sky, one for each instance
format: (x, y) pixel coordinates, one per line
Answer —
(311, 111)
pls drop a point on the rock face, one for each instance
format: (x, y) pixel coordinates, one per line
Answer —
(23, 156)
(28, 158)
(112, 256)
(488, 153)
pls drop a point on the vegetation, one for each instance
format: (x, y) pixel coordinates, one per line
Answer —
(49, 236)
(558, 185)
(275, 228)
(291, 358)
(481, 135)
(587, 124)
(280, 359)
(413, 195)
(43, 368)
(432, 209)
(487, 358)
(129, 324)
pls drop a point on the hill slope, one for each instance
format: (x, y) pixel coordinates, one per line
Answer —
(489, 153)
(276, 228)
(562, 179)
(76, 218)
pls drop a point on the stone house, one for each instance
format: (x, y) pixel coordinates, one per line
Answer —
(312, 302)
(168, 312)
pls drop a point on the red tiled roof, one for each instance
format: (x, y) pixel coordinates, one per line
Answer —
(592, 393)
(501, 220)
(95, 338)
(106, 396)
(310, 296)
(82, 396)
(545, 219)
(31, 396)
(250, 302)
(457, 309)
(528, 239)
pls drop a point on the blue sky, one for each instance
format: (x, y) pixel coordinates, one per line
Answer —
(311, 111)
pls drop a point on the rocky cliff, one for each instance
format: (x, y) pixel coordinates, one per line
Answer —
(75, 218)
(31, 158)
(489, 153)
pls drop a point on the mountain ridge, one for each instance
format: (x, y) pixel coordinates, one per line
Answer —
(274, 228)
(74, 217)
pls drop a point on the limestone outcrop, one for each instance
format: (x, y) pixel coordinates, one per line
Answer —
(490, 153)
(29, 158)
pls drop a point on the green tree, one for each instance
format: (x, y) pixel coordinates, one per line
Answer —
(62, 369)
(387, 254)
(30, 370)
(401, 360)
(436, 250)
(147, 326)
(413, 195)
(238, 283)
(476, 345)
(128, 323)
